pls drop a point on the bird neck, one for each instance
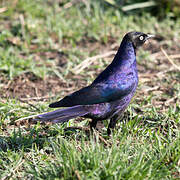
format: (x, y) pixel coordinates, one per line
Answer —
(126, 54)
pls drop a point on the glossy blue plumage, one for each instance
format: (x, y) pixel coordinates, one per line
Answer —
(109, 94)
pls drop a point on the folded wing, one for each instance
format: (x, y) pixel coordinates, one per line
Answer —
(94, 94)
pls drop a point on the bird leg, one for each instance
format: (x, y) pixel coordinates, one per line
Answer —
(93, 124)
(112, 124)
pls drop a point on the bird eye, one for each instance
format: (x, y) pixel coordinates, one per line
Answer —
(141, 38)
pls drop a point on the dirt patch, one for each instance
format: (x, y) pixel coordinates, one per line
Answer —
(29, 85)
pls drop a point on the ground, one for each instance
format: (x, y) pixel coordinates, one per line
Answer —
(50, 50)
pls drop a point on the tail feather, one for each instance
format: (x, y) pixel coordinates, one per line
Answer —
(64, 119)
(62, 115)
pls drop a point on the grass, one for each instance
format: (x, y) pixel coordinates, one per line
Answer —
(41, 43)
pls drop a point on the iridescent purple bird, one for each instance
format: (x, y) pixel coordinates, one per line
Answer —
(109, 94)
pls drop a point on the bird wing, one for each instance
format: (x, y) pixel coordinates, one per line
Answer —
(95, 94)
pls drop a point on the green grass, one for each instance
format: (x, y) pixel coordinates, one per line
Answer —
(40, 45)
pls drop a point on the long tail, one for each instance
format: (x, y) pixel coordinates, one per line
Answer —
(62, 115)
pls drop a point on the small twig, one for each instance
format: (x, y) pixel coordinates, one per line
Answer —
(139, 5)
(146, 75)
(159, 55)
(77, 174)
(36, 98)
(17, 167)
(101, 138)
(170, 60)
(21, 18)
(3, 9)
(90, 60)
(67, 5)
(155, 55)
(151, 89)
(165, 71)
(29, 104)
(170, 100)
(13, 171)
(77, 128)
(175, 56)
(104, 141)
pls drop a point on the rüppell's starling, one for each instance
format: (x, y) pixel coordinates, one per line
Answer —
(109, 94)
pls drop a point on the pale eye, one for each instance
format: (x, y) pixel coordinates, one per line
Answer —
(141, 38)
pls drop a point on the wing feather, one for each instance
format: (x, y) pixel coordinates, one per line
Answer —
(94, 94)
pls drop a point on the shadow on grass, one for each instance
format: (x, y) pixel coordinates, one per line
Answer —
(25, 140)
(38, 136)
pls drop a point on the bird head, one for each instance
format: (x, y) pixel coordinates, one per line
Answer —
(138, 38)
